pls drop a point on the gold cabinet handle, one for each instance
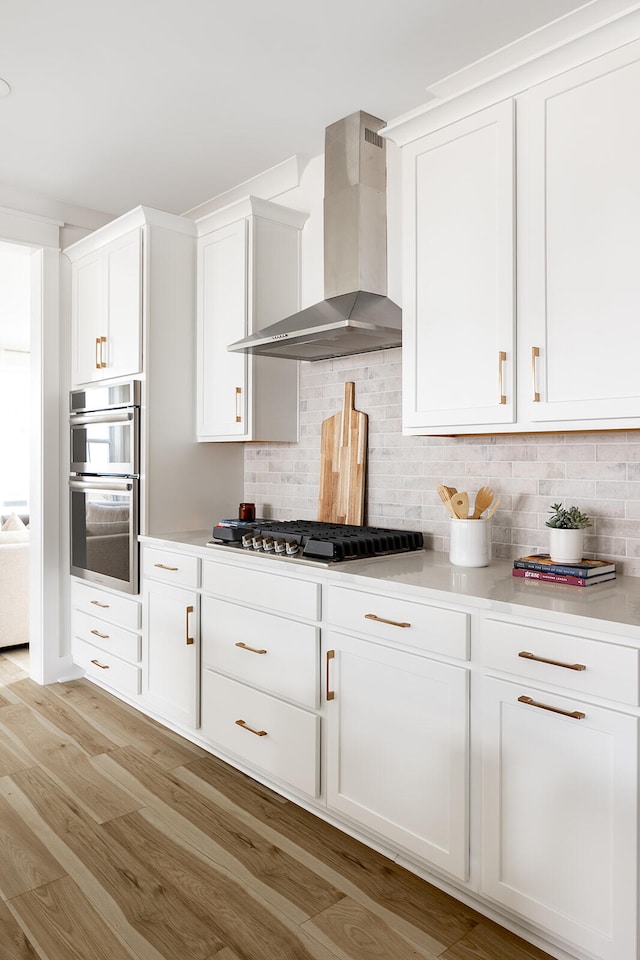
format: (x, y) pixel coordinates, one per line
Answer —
(330, 693)
(189, 640)
(393, 623)
(245, 726)
(96, 603)
(98, 353)
(535, 353)
(502, 357)
(238, 404)
(103, 352)
(243, 646)
(162, 566)
(103, 666)
(103, 636)
(526, 655)
(574, 714)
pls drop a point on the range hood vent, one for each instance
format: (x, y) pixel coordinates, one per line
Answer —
(356, 315)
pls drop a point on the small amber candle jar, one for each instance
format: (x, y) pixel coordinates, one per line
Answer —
(247, 512)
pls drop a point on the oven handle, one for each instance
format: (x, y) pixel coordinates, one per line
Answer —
(104, 416)
(91, 483)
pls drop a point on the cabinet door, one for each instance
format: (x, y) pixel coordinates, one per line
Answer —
(87, 317)
(459, 309)
(559, 816)
(123, 273)
(171, 653)
(222, 319)
(579, 244)
(397, 752)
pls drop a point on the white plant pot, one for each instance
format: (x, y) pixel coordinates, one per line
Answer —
(566, 546)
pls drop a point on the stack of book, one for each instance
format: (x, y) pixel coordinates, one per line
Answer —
(586, 573)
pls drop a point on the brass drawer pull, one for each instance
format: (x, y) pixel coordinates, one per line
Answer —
(189, 639)
(243, 646)
(96, 603)
(526, 655)
(163, 566)
(238, 404)
(330, 693)
(103, 636)
(258, 733)
(535, 353)
(502, 357)
(393, 623)
(103, 666)
(98, 351)
(574, 714)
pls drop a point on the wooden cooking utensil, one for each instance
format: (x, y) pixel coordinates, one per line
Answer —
(484, 499)
(493, 508)
(451, 490)
(343, 464)
(460, 504)
(445, 496)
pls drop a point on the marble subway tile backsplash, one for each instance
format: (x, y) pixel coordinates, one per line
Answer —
(600, 472)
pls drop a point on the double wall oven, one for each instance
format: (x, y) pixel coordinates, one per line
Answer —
(104, 481)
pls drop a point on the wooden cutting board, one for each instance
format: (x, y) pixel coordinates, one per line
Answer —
(343, 464)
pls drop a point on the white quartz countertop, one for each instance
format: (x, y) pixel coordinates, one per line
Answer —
(612, 606)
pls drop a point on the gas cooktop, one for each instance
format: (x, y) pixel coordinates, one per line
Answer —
(314, 540)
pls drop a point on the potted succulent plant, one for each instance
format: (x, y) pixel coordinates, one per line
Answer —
(566, 533)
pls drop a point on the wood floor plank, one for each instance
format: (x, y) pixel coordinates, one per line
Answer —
(13, 757)
(158, 914)
(66, 926)
(4, 701)
(265, 860)
(354, 933)
(14, 942)
(488, 941)
(10, 671)
(26, 863)
(424, 906)
(125, 726)
(241, 922)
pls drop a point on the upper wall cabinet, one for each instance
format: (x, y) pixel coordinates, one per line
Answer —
(248, 277)
(577, 284)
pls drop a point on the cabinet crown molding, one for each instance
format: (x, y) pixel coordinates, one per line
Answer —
(138, 217)
(251, 206)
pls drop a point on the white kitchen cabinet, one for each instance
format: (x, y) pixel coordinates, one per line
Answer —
(106, 310)
(398, 725)
(579, 246)
(560, 783)
(171, 653)
(248, 277)
(458, 301)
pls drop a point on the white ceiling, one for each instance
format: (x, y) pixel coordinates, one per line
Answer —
(119, 102)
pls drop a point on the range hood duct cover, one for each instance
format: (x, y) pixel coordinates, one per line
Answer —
(356, 316)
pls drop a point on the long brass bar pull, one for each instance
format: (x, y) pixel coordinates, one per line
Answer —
(98, 353)
(189, 639)
(238, 404)
(103, 350)
(103, 666)
(574, 714)
(244, 646)
(245, 726)
(554, 663)
(96, 603)
(502, 358)
(330, 693)
(163, 566)
(535, 353)
(103, 636)
(392, 623)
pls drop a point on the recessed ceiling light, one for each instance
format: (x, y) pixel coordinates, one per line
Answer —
(5, 89)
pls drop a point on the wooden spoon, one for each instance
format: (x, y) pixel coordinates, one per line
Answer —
(445, 496)
(493, 508)
(460, 504)
(484, 499)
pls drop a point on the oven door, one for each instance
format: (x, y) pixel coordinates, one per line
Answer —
(104, 531)
(105, 443)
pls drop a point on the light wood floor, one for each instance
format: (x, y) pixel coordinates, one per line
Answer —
(121, 840)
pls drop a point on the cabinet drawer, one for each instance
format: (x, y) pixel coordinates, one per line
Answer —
(587, 666)
(110, 638)
(281, 593)
(170, 567)
(278, 738)
(278, 655)
(121, 676)
(108, 606)
(419, 625)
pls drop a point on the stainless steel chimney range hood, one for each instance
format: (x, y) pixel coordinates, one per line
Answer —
(356, 315)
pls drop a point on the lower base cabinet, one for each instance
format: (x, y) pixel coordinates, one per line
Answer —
(559, 830)
(397, 748)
